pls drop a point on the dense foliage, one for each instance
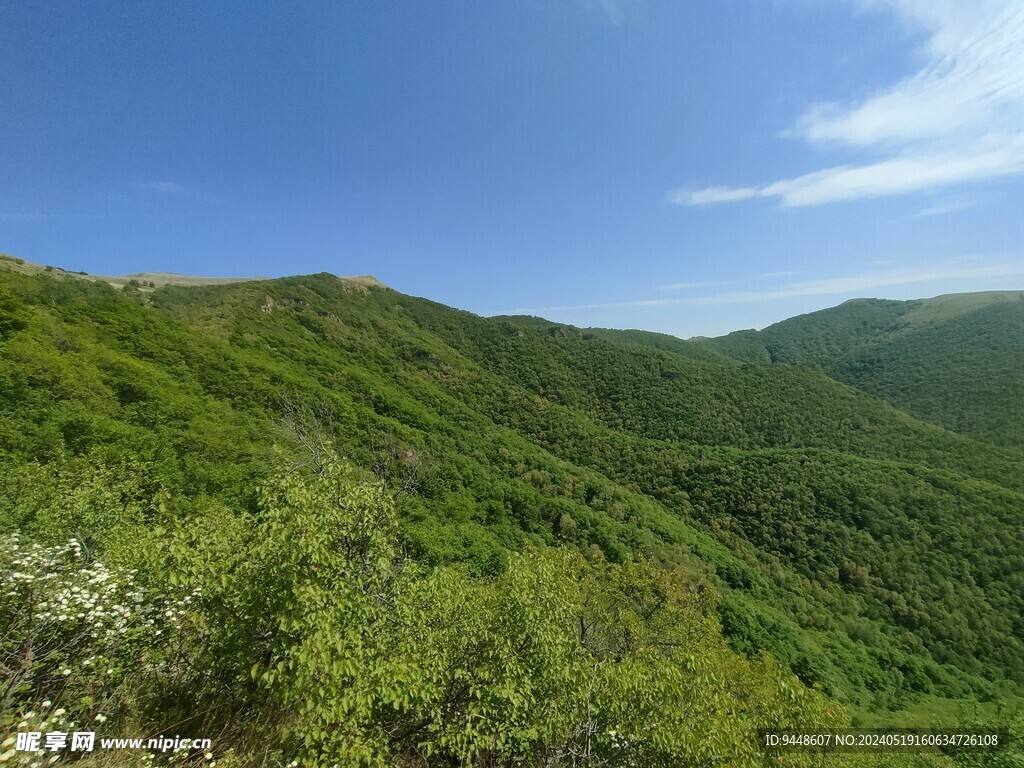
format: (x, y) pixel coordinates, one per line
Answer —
(303, 621)
(778, 511)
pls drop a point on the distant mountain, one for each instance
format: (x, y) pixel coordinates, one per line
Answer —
(955, 360)
(878, 556)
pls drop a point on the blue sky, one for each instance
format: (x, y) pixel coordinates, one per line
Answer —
(687, 167)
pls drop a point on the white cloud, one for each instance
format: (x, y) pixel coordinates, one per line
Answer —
(712, 195)
(689, 286)
(871, 281)
(973, 79)
(857, 284)
(959, 119)
(996, 156)
(941, 209)
(167, 187)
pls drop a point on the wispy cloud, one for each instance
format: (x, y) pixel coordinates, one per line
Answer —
(166, 187)
(871, 281)
(690, 286)
(29, 218)
(607, 305)
(957, 120)
(859, 284)
(26, 217)
(712, 195)
(942, 209)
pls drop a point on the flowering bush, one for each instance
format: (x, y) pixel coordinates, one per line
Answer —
(73, 629)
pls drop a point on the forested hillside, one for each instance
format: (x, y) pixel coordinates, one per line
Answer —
(955, 360)
(396, 533)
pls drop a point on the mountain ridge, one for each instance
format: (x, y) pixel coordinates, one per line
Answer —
(160, 279)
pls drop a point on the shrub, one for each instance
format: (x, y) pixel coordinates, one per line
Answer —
(73, 630)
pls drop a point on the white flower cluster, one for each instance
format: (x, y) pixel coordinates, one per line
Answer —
(98, 601)
(72, 594)
(89, 596)
(34, 565)
(81, 622)
(84, 610)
